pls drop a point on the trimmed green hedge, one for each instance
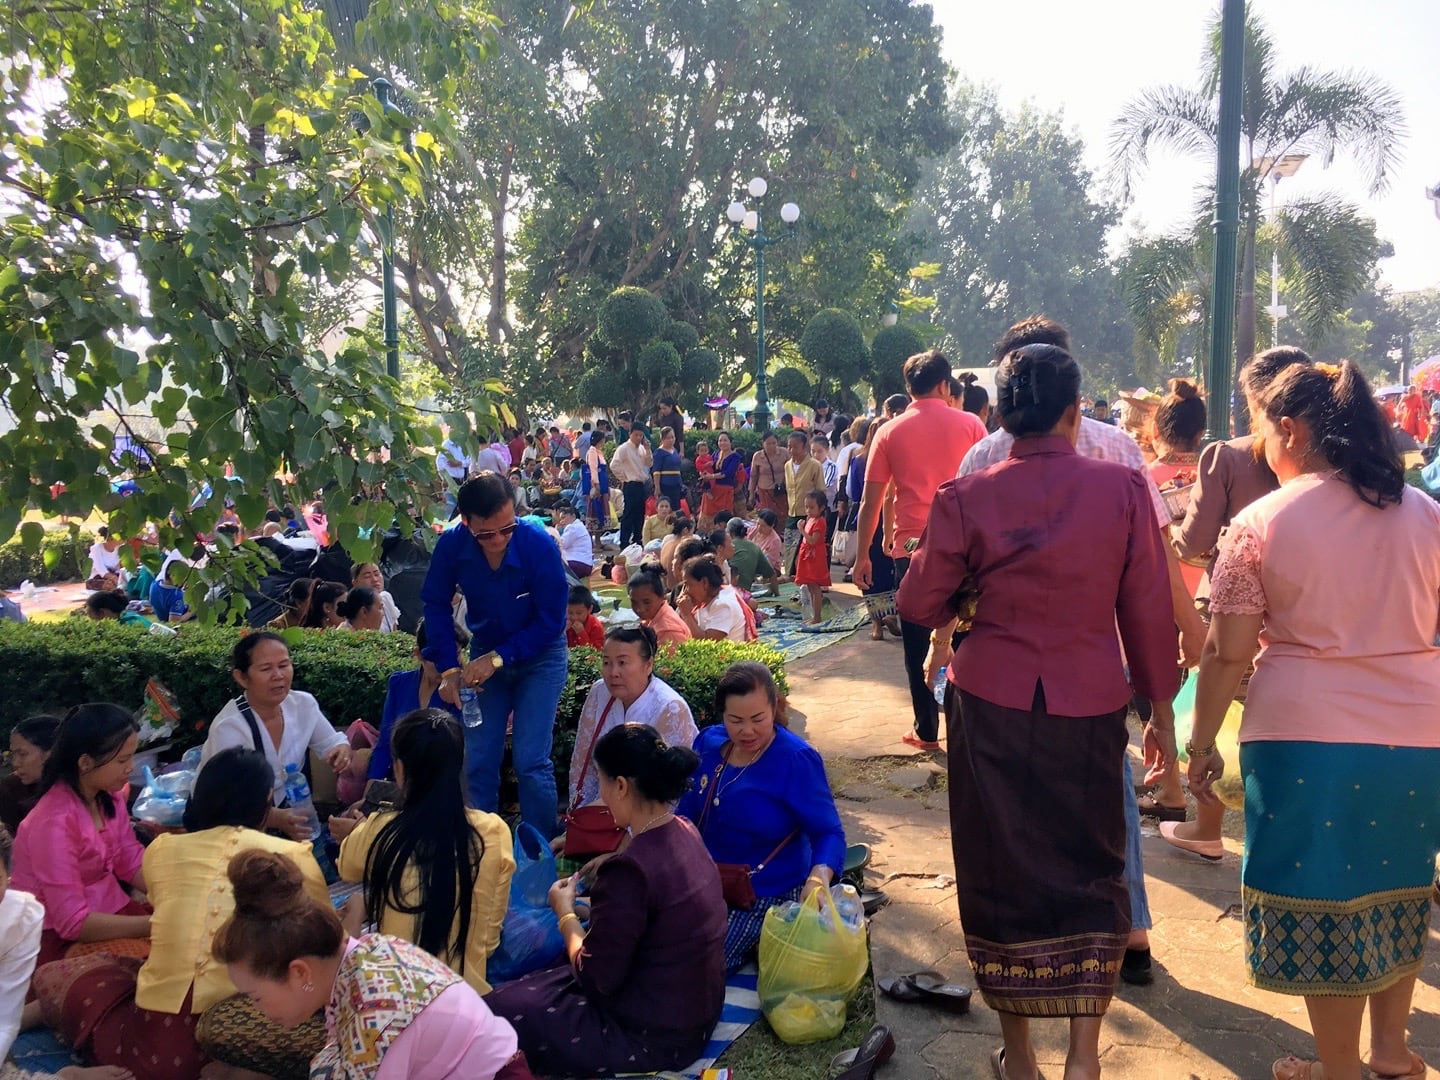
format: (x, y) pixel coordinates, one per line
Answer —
(61, 556)
(53, 666)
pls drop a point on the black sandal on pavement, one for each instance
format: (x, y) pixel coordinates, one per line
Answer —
(874, 1050)
(929, 987)
(1137, 969)
(1152, 807)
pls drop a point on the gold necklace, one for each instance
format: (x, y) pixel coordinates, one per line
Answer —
(739, 770)
(643, 828)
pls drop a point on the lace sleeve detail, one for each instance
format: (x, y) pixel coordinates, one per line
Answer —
(1235, 585)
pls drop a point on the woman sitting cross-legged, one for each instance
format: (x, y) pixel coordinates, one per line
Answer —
(760, 799)
(628, 692)
(76, 852)
(114, 1011)
(392, 1011)
(436, 873)
(645, 985)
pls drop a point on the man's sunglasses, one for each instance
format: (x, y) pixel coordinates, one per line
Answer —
(491, 534)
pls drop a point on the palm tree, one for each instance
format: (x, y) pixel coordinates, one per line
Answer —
(1315, 113)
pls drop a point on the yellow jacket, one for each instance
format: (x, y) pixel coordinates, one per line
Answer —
(487, 904)
(186, 882)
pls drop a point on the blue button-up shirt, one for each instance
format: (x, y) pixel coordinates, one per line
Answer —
(517, 609)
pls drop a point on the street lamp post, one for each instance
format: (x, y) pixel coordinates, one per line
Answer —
(1277, 169)
(387, 259)
(749, 220)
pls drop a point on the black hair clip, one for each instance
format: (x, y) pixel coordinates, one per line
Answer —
(1025, 380)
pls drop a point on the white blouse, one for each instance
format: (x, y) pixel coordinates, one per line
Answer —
(659, 705)
(306, 729)
(21, 919)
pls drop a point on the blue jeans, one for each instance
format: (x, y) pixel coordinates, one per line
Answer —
(1134, 861)
(531, 690)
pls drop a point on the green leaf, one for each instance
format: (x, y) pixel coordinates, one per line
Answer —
(31, 533)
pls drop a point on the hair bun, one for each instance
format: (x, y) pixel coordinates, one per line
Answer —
(1184, 389)
(267, 885)
(967, 377)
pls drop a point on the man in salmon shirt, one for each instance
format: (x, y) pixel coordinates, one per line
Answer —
(916, 452)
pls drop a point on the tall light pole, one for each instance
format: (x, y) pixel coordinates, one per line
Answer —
(749, 220)
(1218, 371)
(387, 258)
(1277, 169)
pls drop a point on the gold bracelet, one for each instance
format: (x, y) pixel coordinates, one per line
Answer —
(571, 915)
(450, 671)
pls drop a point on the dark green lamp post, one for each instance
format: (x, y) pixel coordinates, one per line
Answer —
(1218, 372)
(749, 220)
(387, 259)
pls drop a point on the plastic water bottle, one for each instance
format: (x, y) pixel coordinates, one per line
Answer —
(470, 707)
(848, 905)
(940, 687)
(297, 793)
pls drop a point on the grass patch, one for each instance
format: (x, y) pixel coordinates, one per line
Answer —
(876, 771)
(759, 1053)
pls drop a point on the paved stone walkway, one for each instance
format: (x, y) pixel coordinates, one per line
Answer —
(1200, 1019)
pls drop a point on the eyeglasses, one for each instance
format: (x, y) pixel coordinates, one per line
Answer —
(491, 534)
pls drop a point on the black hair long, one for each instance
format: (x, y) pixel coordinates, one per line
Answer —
(433, 833)
(234, 788)
(98, 730)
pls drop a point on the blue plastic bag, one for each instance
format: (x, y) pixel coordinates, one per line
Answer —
(530, 938)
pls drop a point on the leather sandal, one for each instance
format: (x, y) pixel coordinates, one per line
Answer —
(874, 1050)
(930, 987)
(1292, 1068)
(1152, 807)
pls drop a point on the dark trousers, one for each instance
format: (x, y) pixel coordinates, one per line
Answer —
(915, 639)
(632, 518)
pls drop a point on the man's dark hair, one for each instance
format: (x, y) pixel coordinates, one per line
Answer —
(1034, 330)
(483, 496)
(585, 426)
(800, 435)
(925, 371)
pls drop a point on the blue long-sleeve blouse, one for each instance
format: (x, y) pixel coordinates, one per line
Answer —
(760, 804)
(402, 697)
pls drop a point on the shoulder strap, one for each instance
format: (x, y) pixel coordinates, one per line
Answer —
(590, 754)
(778, 848)
(243, 704)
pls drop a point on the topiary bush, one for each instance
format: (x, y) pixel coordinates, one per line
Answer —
(61, 556)
(54, 666)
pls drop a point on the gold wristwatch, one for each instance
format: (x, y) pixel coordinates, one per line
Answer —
(496, 660)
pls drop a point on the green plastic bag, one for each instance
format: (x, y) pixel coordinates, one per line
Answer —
(811, 964)
(1231, 786)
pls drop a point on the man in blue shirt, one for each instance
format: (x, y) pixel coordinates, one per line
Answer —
(515, 590)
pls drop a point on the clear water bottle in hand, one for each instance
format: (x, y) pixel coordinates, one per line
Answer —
(297, 794)
(470, 713)
(940, 686)
(848, 905)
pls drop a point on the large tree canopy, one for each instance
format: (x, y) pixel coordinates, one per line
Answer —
(177, 175)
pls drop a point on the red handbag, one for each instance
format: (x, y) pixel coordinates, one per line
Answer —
(735, 884)
(591, 830)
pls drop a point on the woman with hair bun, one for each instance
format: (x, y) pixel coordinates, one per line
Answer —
(1039, 838)
(392, 1010)
(361, 609)
(646, 980)
(760, 799)
(627, 692)
(1335, 578)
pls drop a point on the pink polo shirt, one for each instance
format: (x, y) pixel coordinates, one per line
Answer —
(72, 867)
(919, 450)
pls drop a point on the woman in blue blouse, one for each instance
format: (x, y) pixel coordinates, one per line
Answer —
(666, 469)
(760, 798)
(406, 692)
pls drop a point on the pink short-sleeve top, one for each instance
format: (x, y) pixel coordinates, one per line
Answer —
(1350, 595)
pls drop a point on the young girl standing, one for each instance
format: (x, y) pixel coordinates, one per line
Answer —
(812, 569)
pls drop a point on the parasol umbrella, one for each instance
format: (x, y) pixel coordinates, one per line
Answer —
(1427, 375)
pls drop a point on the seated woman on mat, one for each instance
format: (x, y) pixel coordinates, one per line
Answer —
(628, 692)
(76, 852)
(436, 873)
(408, 691)
(647, 599)
(645, 985)
(760, 799)
(392, 1011)
(30, 743)
(710, 608)
(113, 1011)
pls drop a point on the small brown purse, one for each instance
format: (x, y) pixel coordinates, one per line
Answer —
(735, 884)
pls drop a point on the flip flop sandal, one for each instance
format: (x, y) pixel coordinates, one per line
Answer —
(1153, 808)
(874, 1050)
(1417, 1068)
(997, 1062)
(929, 987)
(1292, 1068)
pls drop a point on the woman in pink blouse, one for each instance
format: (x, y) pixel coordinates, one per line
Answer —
(76, 851)
(1336, 577)
(1060, 550)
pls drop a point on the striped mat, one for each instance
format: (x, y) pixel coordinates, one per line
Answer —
(742, 1008)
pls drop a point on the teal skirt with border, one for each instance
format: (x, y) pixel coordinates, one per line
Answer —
(1340, 845)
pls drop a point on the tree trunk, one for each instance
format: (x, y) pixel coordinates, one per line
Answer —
(1244, 320)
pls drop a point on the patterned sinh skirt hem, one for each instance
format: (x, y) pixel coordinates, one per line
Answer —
(1339, 864)
(1073, 976)
(880, 605)
(1335, 948)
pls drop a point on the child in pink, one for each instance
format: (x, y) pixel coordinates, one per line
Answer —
(812, 570)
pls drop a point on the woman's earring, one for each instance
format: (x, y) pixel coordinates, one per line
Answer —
(308, 988)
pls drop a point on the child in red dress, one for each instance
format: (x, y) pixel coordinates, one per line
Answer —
(812, 570)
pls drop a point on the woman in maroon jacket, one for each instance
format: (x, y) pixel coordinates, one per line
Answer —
(1060, 549)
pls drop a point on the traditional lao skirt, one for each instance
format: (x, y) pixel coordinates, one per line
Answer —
(1037, 824)
(1340, 844)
